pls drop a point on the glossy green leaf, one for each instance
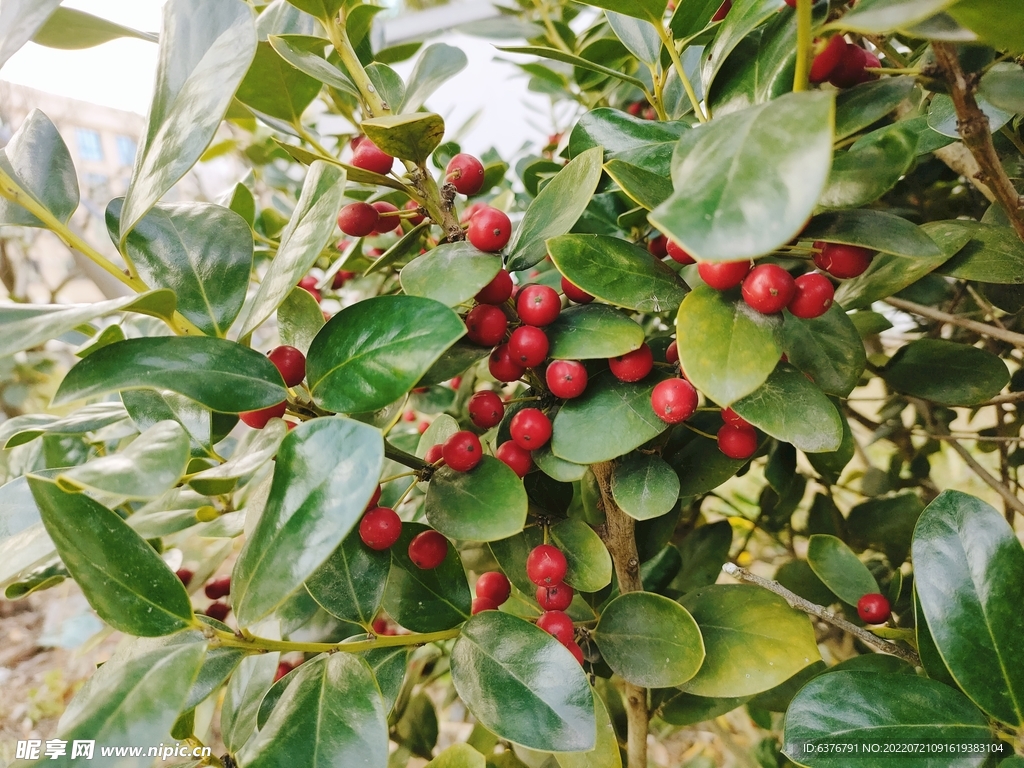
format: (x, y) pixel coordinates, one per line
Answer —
(123, 578)
(390, 86)
(943, 120)
(869, 169)
(568, 58)
(826, 348)
(555, 210)
(23, 429)
(19, 21)
(274, 87)
(644, 143)
(350, 585)
(218, 663)
(251, 453)
(309, 229)
(451, 273)
(222, 375)
(946, 372)
(37, 161)
(839, 568)
(997, 22)
(147, 407)
(701, 467)
(882, 16)
(703, 552)
(644, 486)
(485, 504)
(297, 51)
(743, 18)
(299, 319)
(686, 709)
(409, 137)
(556, 468)
(71, 29)
(437, 64)
(605, 753)
(887, 524)
(691, 18)
(242, 697)
(408, 247)
(867, 103)
(639, 36)
(798, 576)
(647, 189)
(523, 685)
(992, 254)
(592, 331)
(589, 564)
(426, 601)
(877, 230)
(830, 464)
(754, 640)
(199, 70)
(1003, 86)
(967, 563)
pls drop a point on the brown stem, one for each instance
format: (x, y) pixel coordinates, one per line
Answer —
(974, 129)
(618, 536)
(1017, 339)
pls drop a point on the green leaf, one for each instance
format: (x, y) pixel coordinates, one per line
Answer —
(426, 601)
(72, 30)
(325, 473)
(754, 640)
(249, 456)
(617, 271)
(201, 251)
(523, 685)
(299, 319)
(839, 568)
(451, 273)
(592, 331)
(946, 372)
(408, 247)
(147, 407)
(350, 584)
(649, 640)
(687, 709)
(19, 21)
(726, 349)
(623, 411)
(409, 137)
(605, 753)
(691, 18)
(644, 143)
(325, 10)
(992, 254)
(218, 664)
(881, 16)
(830, 464)
(967, 563)
(485, 504)
(222, 375)
(875, 708)
(869, 169)
(24, 429)
(747, 182)
(701, 467)
(997, 22)
(1003, 86)
(827, 348)
(437, 64)
(877, 230)
(743, 18)
(242, 697)
(647, 189)
(298, 51)
(943, 120)
(555, 210)
(373, 352)
(274, 87)
(331, 713)
(24, 543)
(37, 160)
(867, 103)
(388, 82)
(458, 756)
(639, 36)
(199, 70)
(589, 564)
(556, 468)
(703, 553)
(122, 576)
(310, 228)
(644, 486)
(798, 576)
(568, 58)
(886, 524)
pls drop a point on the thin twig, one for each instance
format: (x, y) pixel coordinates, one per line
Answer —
(984, 329)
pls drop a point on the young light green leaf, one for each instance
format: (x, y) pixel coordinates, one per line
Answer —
(438, 63)
(409, 137)
(25, 428)
(71, 29)
(296, 51)
(639, 36)
(19, 21)
(37, 161)
(249, 456)
(839, 568)
(274, 87)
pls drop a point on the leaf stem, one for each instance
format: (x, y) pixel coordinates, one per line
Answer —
(397, 454)
(666, 38)
(372, 100)
(264, 644)
(804, 42)
(310, 139)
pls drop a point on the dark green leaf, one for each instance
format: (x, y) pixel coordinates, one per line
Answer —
(644, 486)
(687, 709)
(830, 464)
(885, 524)
(690, 18)
(647, 189)
(869, 169)
(743, 18)
(437, 64)
(700, 465)
(877, 230)
(703, 552)
(997, 22)
(409, 137)
(274, 87)
(589, 564)
(1003, 87)
(993, 254)
(388, 666)
(826, 348)
(416, 730)
(37, 161)
(147, 407)
(485, 504)
(451, 273)
(645, 143)
(19, 21)
(70, 29)
(942, 116)
(867, 103)
(592, 331)
(839, 568)
(946, 372)
(299, 319)
(798, 576)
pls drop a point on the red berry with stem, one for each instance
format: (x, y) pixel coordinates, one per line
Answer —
(538, 305)
(850, 69)
(259, 419)
(737, 442)
(841, 260)
(486, 409)
(575, 294)
(733, 419)
(466, 174)
(672, 353)
(634, 365)
(516, 458)
(558, 625)
(870, 62)
(768, 288)
(873, 608)
(557, 597)
(308, 284)
(573, 647)
(375, 499)
(489, 229)
(419, 218)
(546, 565)
(184, 576)
(528, 346)
(503, 366)
(388, 219)
(829, 54)
(635, 108)
(218, 611)
(462, 451)
(370, 157)
(218, 588)
(566, 378)
(358, 219)
(723, 275)
(497, 291)
(674, 400)
(658, 246)
(530, 428)
(380, 528)
(433, 454)
(486, 325)
(481, 604)
(290, 362)
(677, 254)
(428, 550)
(814, 295)
(494, 585)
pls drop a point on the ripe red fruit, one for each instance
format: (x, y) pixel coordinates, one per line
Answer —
(462, 451)
(341, 277)
(516, 458)
(658, 246)
(768, 288)
(546, 565)
(466, 174)
(486, 409)
(850, 69)
(827, 59)
(184, 575)
(676, 252)
(375, 498)
(723, 275)
(486, 325)
(283, 669)
(813, 296)
(380, 528)
(558, 625)
(672, 353)
(495, 586)
(574, 647)
(870, 61)
(455, 383)
(634, 365)
(530, 429)
(259, 419)
(218, 588)
(370, 157)
(538, 305)
(388, 219)
(557, 597)
(428, 550)
(409, 415)
(290, 362)
(382, 627)
(503, 366)
(733, 419)
(481, 604)
(791, 3)
(308, 284)
(489, 229)
(419, 218)
(358, 219)
(497, 291)
(218, 611)
(566, 378)
(737, 442)
(873, 608)
(674, 400)
(423, 426)
(528, 346)
(575, 294)
(842, 261)
(433, 454)
(722, 11)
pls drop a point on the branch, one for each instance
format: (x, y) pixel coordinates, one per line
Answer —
(984, 329)
(742, 574)
(219, 637)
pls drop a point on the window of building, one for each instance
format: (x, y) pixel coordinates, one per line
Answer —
(126, 147)
(89, 145)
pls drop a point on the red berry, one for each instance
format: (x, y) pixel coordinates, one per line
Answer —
(358, 219)
(375, 499)
(722, 11)
(672, 353)
(813, 296)
(850, 69)
(723, 275)
(218, 588)
(387, 217)
(497, 291)
(634, 365)
(409, 415)
(530, 429)
(428, 550)
(737, 442)
(873, 608)
(419, 218)
(870, 61)
(516, 458)
(546, 565)
(370, 157)
(184, 575)
(218, 611)
(538, 305)
(471, 211)
(566, 378)
(455, 383)
(841, 260)
(557, 597)
(558, 625)
(635, 108)
(259, 419)
(575, 294)
(486, 409)
(733, 419)
(481, 604)
(462, 451)
(382, 627)
(791, 3)
(283, 668)
(423, 426)
(503, 366)
(676, 252)
(341, 277)
(528, 346)
(380, 528)
(466, 174)
(291, 363)
(828, 58)
(658, 246)
(674, 400)
(433, 454)
(489, 229)
(768, 288)
(495, 586)
(574, 647)
(308, 284)
(486, 325)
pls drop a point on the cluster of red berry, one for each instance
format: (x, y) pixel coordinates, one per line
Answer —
(842, 63)
(215, 589)
(292, 365)
(546, 567)
(381, 527)
(768, 288)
